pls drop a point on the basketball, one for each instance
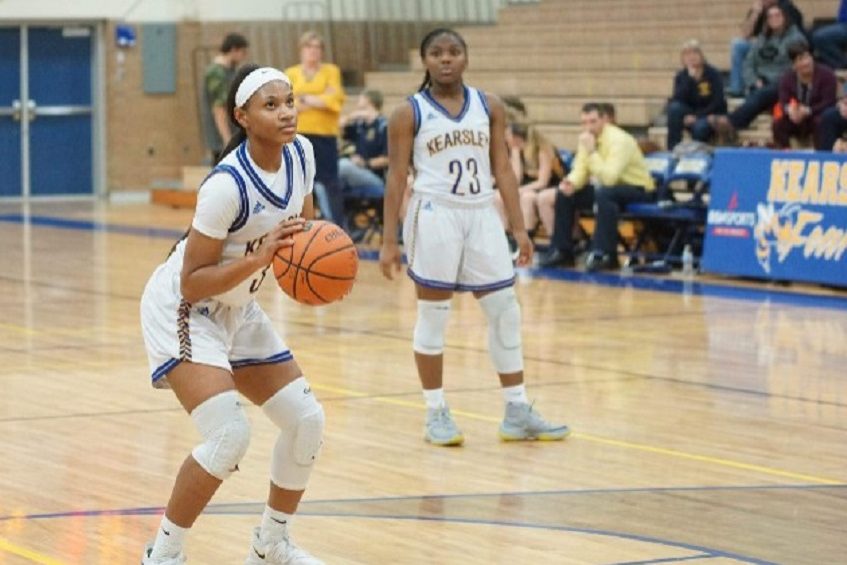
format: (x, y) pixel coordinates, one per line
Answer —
(320, 267)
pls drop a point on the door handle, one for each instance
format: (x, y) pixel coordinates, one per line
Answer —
(17, 110)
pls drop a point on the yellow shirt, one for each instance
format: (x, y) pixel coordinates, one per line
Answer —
(326, 84)
(616, 161)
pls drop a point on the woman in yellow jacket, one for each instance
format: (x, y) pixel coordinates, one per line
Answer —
(319, 97)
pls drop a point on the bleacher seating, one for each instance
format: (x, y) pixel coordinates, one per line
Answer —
(558, 54)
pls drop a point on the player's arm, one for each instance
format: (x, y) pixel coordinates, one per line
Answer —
(202, 274)
(401, 135)
(504, 176)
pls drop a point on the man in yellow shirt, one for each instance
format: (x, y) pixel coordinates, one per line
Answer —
(319, 97)
(608, 173)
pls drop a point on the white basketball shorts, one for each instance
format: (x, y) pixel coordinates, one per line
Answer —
(208, 333)
(455, 246)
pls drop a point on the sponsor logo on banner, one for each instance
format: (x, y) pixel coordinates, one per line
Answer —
(730, 222)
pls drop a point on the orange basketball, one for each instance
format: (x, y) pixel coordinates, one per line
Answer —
(321, 265)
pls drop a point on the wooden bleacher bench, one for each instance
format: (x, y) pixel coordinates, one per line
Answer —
(186, 196)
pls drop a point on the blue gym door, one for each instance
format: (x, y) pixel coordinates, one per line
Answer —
(46, 118)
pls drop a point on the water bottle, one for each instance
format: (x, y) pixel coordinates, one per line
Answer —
(687, 261)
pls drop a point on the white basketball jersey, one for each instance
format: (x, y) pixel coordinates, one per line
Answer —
(262, 207)
(452, 153)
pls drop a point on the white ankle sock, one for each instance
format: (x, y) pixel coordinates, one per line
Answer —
(169, 540)
(434, 398)
(516, 394)
(275, 524)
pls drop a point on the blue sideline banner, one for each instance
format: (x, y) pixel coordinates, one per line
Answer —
(778, 215)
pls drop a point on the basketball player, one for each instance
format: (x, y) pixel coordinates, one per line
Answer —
(208, 340)
(454, 136)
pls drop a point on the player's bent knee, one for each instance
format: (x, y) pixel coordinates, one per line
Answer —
(430, 325)
(224, 426)
(504, 329)
(300, 419)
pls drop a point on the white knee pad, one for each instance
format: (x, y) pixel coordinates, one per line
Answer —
(504, 330)
(429, 328)
(300, 419)
(223, 424)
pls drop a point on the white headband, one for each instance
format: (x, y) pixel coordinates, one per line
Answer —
(256, 80)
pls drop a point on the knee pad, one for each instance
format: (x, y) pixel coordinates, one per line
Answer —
(504, 329)
(226, 431)
(429, 328)
(300, 419)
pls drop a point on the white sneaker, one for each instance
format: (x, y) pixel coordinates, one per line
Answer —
(147, 560)
(284, 552)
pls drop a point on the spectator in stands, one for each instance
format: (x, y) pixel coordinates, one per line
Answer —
(319, 97)
(216, 81)
(805, 92)
(362, 173)
(539, 171)
(831, 41)
(608, 113)
(751, 28)
(697, 96)
(611, 157)
(764, 65)
(834, 127)
(515, 108)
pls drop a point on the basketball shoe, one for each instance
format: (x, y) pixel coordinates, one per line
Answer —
(441, 429)
(147, 560)
(521, 422)
(283, 552)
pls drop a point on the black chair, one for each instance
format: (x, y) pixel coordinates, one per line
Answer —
(363, 211)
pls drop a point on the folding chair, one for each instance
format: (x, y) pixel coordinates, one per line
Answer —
(680, 210)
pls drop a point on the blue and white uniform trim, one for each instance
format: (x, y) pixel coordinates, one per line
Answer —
(243, 208)
(278, 358)
(441, 285)
(164, 369)
(279, 202)
(301, 154)
(458, 118)
(484, 100)
(416, 110)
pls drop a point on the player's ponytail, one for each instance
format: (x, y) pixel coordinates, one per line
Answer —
(425, 44)
(240, 135)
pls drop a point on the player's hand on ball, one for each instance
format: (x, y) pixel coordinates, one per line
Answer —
(278, 238)
(389, 259)
(525, 248)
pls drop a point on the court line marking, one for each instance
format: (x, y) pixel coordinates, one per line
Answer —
(34, 556)
(609, 441)
(668, 560)
(211, 510)
(231, 507)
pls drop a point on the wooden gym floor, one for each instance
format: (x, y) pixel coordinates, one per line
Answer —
(710, 420)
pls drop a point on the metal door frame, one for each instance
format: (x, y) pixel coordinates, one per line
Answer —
(98, 110)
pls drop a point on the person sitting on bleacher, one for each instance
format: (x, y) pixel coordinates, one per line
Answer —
(697, 97)
(831, 41)
(362, 173)
(539, 171)
(763, 66)
(834, 127)
(751, 28)
(805, 91)
(609, 172)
